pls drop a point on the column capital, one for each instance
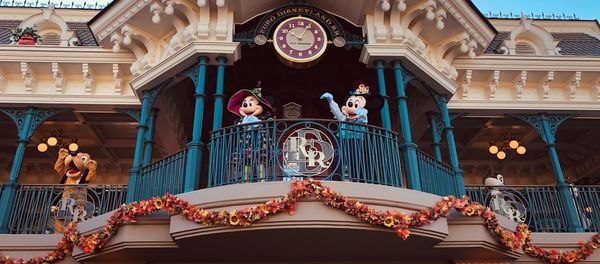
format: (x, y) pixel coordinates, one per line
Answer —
(540, 120)
(379, 63)
(28, 119)
(221, 60)
(203, 60)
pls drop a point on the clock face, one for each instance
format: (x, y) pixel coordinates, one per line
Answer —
(300, 39)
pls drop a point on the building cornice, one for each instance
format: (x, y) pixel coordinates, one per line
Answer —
(476, 25)
(533, 63)
(13, 53)
(116, 16)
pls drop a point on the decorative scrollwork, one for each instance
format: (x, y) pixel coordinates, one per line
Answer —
(134, 113)
(537, 122)
(245, 38)
(354, 41)
(192, 73)
(17, 115)
(38, 116)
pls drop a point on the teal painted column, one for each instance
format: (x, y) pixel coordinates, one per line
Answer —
(139, 148)
(385, 110)
(564, 190)
(546, 126)
(149, 138)
(408, 147)
(452, 152)
(27, 120)
(219, 96)
(196, 147)
(435, 136)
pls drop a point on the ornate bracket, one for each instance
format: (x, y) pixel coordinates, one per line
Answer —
(135, 113)
(191, 73)
(537, 122)
(38, 116)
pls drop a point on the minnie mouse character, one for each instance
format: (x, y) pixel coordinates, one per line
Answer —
(355, 108)
(250, 106)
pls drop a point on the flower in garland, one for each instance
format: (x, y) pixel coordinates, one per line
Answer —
(234, 219)
(389, 221)
(468, 210)
(158, 203)
(403, 233)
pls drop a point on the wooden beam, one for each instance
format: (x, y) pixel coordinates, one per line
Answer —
(475, 137)
(98, 138)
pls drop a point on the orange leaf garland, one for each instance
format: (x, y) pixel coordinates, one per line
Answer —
(398, 221)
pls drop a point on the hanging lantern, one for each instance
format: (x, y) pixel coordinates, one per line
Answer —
(501, 155)
(493, 149)
(52, 141)
(521, 150)
(513, 144)
(73, 147)
(42, 147)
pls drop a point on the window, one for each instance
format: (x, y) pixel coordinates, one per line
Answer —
(51, 39)
(523, 48)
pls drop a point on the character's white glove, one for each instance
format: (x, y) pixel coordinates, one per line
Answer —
(361, 112)
(327, 96)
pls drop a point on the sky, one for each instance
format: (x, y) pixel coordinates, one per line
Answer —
(583, 9)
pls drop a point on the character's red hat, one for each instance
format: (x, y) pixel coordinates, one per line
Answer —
(235, 102)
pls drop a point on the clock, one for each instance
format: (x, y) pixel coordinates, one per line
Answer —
(300, 40)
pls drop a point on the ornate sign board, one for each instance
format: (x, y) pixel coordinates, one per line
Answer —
(265, 27)
(334, 28)
(308, 152)
(74, 204)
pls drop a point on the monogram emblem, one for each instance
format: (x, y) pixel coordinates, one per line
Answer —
(307, 152)
(509, 204)
(75, 206)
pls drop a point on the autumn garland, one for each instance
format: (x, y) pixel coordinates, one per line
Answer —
(398, 221)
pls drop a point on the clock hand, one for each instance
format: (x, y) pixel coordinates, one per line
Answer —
(294, 34)
(301, 35)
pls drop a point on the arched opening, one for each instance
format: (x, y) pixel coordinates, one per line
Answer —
(51, 39)
(524, 48)
(335, 73)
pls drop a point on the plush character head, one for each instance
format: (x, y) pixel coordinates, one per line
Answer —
(75, 168)
(496, 179)
(353, 103)
(249, 103)
(251, 106)
(360, 98)
(77, 164)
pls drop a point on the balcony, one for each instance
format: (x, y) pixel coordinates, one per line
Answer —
(278, 150)
(540, 206)
(37, 206)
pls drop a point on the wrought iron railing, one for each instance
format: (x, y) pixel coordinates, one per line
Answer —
(278, 150)
(540, 206)
(164, 176)
(36, 208)
(436, 177)
(587, 201)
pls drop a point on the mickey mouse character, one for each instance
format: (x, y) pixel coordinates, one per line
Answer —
(250, 106)
(355, 108)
